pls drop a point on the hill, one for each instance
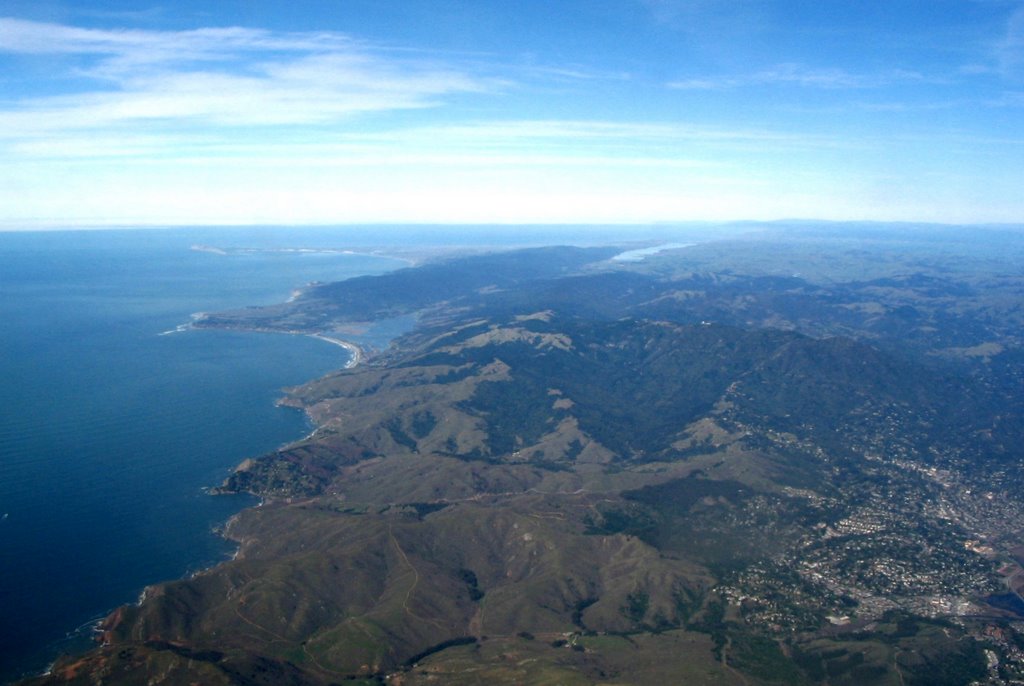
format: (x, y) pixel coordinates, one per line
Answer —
(577, 472)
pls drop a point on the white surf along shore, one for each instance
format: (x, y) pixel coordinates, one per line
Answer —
(354, 350)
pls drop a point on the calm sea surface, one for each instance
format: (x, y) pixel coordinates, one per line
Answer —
(109, 431)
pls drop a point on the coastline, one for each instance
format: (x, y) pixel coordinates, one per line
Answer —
(378, 252)
(357, 355)
(54, 609)
(355, 350)
(95, 630)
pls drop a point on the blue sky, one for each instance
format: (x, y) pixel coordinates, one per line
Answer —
(356, 111)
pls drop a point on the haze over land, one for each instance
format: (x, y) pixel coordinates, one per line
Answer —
(124, 113)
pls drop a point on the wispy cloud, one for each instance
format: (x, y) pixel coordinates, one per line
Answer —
(490, 143)
(791, 74)
(232, 124)
(609, 135)
(227, 77)
(1003, 55)
(211, 93)
(136, 46)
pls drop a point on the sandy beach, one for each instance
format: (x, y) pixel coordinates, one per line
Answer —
(357, 353)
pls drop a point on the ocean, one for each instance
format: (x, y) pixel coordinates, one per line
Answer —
(110, 431)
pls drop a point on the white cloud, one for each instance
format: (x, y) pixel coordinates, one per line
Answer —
(226, 77)
(23, 36)
(235, 125)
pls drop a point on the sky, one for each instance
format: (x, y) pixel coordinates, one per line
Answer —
(472, 111)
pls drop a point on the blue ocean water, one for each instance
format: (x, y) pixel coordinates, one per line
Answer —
(109, 432)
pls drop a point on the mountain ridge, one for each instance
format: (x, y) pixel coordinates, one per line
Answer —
(542, 483)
